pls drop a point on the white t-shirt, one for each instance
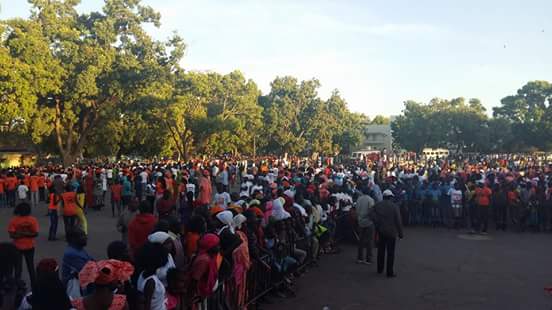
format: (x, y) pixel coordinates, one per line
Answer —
(22, 191)
(215, 171)
(222, 199)
(143, 177)
(104, 182)
(455, 197)
(190, 188)
(158, 299)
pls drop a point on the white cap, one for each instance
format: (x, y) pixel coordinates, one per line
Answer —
(387, 193)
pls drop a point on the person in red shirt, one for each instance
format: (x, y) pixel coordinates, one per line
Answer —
(116, 196)
(11, 185)
(23, 229)
(483, 199)
(33, 186)
(141, 226)
(2, 192)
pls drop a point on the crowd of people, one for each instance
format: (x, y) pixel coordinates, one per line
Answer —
(220, 234)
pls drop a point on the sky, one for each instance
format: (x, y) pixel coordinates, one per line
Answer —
(378, 54)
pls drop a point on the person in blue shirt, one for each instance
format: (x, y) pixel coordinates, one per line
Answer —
(74, 256)
(127, 191)
(434, 194)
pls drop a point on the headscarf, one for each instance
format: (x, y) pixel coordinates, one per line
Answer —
(158, 237)
(226, 218)
(239, 220)
(206, 243)
(105, 272)
(278, 211)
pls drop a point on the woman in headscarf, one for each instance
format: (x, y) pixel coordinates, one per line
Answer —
(278, 212)
(205, 269)
(106, 276)
(164, 239)
(228, 242)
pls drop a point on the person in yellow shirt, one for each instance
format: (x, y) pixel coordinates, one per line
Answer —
(81, 196)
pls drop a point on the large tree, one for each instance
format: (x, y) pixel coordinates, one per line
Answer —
(297, 121)
(92, 67)
(442, 123)
(530, 113)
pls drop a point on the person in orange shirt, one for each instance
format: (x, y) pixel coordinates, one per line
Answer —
(11, 186)
(70, 205)
(483, 199)
(33, 186)
(205, 189)
(23, 229)
(41, 186)
(116, 196)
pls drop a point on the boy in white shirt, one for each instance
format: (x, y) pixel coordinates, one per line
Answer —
(22, 192)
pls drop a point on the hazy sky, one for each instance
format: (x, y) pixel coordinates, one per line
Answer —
(377, 53)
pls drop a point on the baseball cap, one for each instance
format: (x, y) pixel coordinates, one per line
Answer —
(387, 193)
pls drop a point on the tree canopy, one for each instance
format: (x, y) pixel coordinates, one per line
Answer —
(522, 122)
(97, 84)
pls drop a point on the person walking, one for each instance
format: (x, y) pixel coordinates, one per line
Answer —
(387, 218)
(364, 205)
(70, 205)
(23, 229)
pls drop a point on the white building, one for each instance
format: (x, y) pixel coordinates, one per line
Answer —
(377, 137)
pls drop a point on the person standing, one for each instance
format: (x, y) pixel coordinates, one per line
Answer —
(364, 205)
(141, 226)
(11, 187)
(2, 192)
(126, 191)
(205, 189)
(22, 192)
(387, 218)
(23, 229)
(33, 184)
(70, 205)
(53, 215)
(483, 199)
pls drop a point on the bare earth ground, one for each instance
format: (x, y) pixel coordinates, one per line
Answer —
(437, 269)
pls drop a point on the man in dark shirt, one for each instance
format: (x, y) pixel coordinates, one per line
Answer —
(387, 218)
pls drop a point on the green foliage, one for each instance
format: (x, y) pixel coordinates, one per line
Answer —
(82, 71)
(442, 123)
(380, 120)
(97, 84)
(530, 114)
(297, 121)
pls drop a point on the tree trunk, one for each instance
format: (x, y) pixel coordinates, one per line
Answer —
(68, 159)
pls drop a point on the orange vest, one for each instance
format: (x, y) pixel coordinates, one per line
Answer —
(69, 203)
